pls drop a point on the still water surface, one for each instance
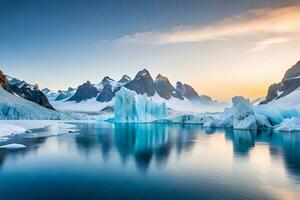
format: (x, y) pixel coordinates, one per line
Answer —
(153, 161)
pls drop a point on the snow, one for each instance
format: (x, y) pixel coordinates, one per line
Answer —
(31, 128)
(188, 106)
(13, 146)
(289, 125)
(131, 107)
(291, 101)
(88, 106)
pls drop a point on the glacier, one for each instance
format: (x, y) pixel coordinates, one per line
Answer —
(131, 107)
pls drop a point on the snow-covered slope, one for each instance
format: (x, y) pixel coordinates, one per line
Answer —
(13, 107)
(291, 100)
(289, 83)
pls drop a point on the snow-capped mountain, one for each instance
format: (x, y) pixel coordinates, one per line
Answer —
(26, 91)
(165, 89)
(62, 95)
(142, 83)
(58, 95)
(188, 92)
(84, 92)
(289, 84)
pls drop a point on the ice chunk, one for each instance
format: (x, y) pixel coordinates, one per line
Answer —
(243, 114)
(130, 107)
(289, 125)
(262, 121)
(8, 129)
(13, 146)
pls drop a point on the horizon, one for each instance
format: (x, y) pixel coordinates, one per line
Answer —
(240, 48)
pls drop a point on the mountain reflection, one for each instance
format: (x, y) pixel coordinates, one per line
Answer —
(143, 143)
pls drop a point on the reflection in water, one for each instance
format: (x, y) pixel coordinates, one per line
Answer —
(291, 153)
(243, 141)
(146, 143)
(143, 141)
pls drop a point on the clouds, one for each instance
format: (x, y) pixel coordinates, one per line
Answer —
(270, 25)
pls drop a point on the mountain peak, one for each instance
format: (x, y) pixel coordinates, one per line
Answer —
(294, 71)
(143, 72)
(142, 83)
(107, 79)
(125, 79)
(161, 77)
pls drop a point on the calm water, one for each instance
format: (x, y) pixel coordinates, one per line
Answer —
(106, 161)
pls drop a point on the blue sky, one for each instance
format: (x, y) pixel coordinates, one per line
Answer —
(64, 43)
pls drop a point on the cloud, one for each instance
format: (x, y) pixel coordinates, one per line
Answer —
(263, 44)
(269, 23)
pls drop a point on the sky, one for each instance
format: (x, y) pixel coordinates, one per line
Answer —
(221, 48)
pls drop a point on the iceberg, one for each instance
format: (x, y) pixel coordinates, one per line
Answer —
(243, 114)
(130, 107)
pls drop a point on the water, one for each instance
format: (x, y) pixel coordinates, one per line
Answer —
(106, 161)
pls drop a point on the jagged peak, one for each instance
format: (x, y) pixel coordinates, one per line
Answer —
(107, 79)
(161, 77)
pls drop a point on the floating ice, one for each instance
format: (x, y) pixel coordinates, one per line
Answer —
(13, 146)
(289, 125)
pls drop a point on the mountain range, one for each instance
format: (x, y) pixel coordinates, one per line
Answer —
(142, 83)
(159, 88)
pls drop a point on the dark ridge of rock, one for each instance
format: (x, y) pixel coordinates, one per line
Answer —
(142, 83)
(165, 89)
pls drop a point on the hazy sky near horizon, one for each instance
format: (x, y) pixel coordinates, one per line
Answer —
(221, 49)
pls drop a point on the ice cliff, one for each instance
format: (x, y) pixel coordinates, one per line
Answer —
(130, 107)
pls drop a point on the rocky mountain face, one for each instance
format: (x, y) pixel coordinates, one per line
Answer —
(142, 83)
(109, 88)
(188, 92)
(290, 82)
(165, 89)
(24, 90)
